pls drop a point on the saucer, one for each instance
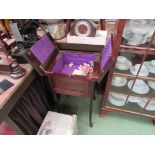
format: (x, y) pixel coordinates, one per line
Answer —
(140, 87)
(142, 103)
(123, 63)
(117, 99)
(134, 99)
(119, 81)
(143, 71)
(150, 65)
(151, 84)
(151, 105)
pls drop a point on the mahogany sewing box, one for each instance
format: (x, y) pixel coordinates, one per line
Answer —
(49, 61)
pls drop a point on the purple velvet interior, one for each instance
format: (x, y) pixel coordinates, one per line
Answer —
(106, 52)
(43, 49)
(66, 58)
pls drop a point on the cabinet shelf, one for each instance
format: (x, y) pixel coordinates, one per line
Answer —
(127, 74)
(135, 49)
(130, 106)
(117, 109)
(125, 91)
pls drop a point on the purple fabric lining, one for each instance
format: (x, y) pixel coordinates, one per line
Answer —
(68, 70)
(78, 58)
(43, 49)
(66, 58)
(59, 64)
(106, 52)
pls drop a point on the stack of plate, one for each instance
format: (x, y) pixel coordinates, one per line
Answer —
(143, 71)
(123, 63)
(150, 65)
(140, 87)
(118, 81)
(117, 99)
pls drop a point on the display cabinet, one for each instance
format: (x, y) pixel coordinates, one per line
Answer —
(130, 86)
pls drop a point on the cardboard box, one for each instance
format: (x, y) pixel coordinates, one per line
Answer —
(58, 124)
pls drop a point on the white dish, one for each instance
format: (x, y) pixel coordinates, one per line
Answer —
(142, 103)
(117, 99)
(151, 105)
(140, 87)
(151, 84)
(150, 65)
(119, 81)
(143, 71)
(134, 99)
(123, 63)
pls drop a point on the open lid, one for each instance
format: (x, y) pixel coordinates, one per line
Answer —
(105, 58)
(106, 53)
(42, 53)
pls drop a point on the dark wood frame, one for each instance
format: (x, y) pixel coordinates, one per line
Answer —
(117, 45)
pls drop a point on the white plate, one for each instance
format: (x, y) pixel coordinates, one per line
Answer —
(151, 84)
(134, 99)
(151, 106)
(140, 87)
(150, 67)
(142, 103)
(117, 99)
(123, 63)
(118, 83)
(143, 71)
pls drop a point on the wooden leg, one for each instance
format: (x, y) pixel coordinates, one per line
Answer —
(153, 121)
(56, 98)
(94, 96)
(90, 112)
(91, 103)
(102, 113)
